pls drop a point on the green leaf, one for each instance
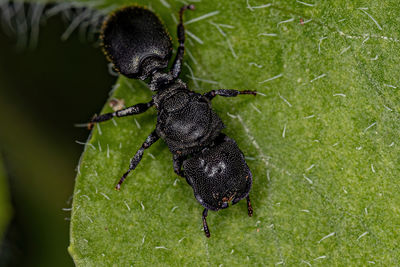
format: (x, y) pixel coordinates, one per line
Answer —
(5, 205)
(322, 144)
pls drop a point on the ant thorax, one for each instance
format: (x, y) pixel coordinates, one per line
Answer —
(160, 81)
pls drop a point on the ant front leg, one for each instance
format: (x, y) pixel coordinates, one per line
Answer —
(205, 225)
(177, 162)
(228, 93)
(151, 139)
(249, 207)
(135, 109)
(177, 66)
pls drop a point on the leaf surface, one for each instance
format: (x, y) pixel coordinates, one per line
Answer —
(322, 143)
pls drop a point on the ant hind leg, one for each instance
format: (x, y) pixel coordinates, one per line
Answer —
(177, 66)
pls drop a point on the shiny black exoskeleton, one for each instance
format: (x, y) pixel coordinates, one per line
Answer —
(135, 41)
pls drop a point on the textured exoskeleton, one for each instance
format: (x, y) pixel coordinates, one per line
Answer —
(137, 44)
(219, 174)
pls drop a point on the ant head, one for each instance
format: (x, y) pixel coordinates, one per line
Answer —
(219, 174)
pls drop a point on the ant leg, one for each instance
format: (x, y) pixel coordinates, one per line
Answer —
(177, 66)
(228, 93)
(249, 207)
(151, 139)
(178, 161)
(135, 109)
(205, 225)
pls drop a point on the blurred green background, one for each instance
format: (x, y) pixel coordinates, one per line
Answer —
(44, 91)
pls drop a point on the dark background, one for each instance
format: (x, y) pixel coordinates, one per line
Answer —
(44, 91)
